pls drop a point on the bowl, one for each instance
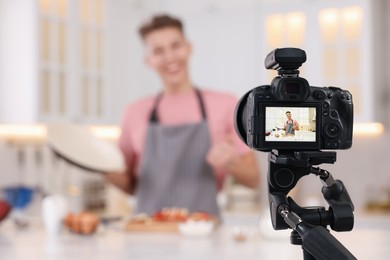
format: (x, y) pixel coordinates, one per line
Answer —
(193, 228)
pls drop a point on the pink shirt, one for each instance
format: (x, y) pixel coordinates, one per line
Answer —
(176, 109)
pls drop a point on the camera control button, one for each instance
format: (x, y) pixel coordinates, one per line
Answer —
(332, 130)
(268, 97)
(328, 144)
(330, 95)
(342, 96)
(284, 178)
(326, 113)
(335, 88)
(326, 105)
(333, 114)
(336, 144)
(318, 94)
(261, 97)
(348, 97)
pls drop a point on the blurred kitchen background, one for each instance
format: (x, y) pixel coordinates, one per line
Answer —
(81, 61)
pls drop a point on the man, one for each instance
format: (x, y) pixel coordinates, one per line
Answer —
(179, 144)
(290, 125)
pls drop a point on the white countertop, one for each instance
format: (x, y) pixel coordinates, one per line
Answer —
(300, 136)
(369, 240)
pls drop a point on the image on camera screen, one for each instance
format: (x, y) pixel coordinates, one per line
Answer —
(290, 124)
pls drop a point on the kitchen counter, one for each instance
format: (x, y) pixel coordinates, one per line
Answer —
(368, 240)
(300, 136)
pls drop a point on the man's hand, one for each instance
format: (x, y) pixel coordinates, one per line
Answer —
(243, 168)
(222, 154)
(296, 125)
(125, 181)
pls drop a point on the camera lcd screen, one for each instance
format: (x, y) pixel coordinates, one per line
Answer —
(290, 124)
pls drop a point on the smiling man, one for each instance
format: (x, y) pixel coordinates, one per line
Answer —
(290, 126)
(180, 143)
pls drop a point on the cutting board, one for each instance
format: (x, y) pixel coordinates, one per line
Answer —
(152, 226)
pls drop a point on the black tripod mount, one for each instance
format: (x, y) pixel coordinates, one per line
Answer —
(309, 223)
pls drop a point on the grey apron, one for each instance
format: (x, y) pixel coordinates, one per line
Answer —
(174, 171)
(290, 128)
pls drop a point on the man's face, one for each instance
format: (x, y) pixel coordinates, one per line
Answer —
(288, 115)
(168, 52)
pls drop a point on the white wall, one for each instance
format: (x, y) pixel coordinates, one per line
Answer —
(18, 62)
(381, 56)
(223, 35)
(128, 77)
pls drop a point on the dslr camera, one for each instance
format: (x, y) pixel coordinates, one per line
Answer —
(289, 114)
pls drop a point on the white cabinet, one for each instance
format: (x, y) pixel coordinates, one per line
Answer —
(71, 54)
(336, 36)
(54, 61)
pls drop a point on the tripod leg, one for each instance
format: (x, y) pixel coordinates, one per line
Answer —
(296, 239)
(307, 255)
(315, 239)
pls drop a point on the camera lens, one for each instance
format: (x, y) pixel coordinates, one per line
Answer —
(332, 130)
(241, 120)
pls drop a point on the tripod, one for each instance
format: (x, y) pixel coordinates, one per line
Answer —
(309, 223)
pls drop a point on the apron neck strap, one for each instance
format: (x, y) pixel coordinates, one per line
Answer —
(154, 117)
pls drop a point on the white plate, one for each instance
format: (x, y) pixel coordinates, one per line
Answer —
(196, 228)
(79, 147)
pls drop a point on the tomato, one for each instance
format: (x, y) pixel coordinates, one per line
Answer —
(200, 216)
(171, 215)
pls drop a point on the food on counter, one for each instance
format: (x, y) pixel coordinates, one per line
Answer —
(167, 219)
(171, 215)
(141, 219)
(239, 234)
(201, 216)
(82, 223)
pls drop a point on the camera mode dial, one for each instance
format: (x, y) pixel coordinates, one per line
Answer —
(332, 130)
(319, 94)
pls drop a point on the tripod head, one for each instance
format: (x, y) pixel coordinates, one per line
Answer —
(285, 170)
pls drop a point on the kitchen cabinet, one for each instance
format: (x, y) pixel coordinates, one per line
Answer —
(53, 63)
(337, 38)
(59, 63)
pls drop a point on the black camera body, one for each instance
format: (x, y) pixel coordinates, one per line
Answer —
(289, 114)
